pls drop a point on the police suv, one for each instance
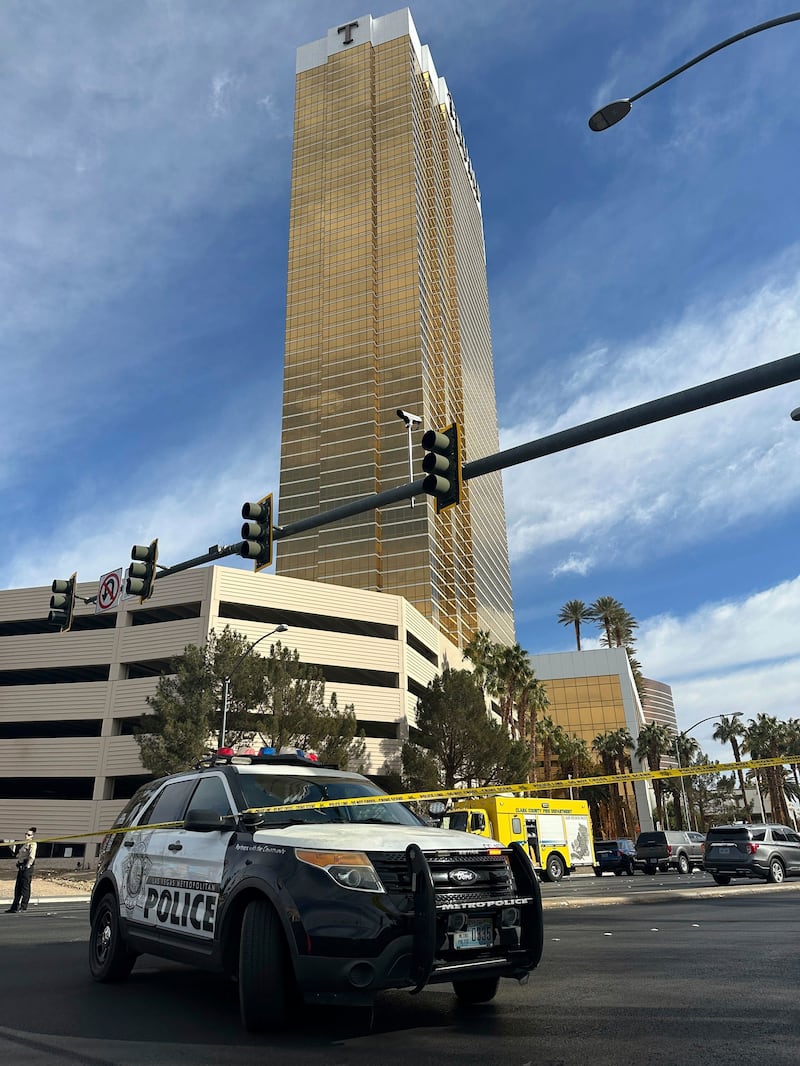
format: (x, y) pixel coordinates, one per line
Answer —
(326, 904)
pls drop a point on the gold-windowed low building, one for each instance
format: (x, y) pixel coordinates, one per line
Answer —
(593, 692)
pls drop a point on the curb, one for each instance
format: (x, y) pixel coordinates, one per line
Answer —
(670, 896)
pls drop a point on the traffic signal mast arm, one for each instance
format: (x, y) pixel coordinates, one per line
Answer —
(744, 383)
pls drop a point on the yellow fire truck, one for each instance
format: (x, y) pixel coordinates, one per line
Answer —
(558, 833)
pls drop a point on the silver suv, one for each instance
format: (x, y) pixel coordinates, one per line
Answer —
(769, 852)
(662, 849)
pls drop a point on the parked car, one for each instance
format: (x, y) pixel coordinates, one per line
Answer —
(661, 849)
(614, 856)
(770, 852)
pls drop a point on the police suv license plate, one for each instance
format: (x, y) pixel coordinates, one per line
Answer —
(478, 934)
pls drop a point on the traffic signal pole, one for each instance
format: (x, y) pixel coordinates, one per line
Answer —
(720, 390)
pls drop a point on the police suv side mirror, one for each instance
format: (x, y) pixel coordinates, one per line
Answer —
(200, 821)
(251, 821)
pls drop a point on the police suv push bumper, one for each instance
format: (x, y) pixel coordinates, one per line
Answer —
(416, 946)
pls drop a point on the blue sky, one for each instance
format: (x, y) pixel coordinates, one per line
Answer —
(144, 188)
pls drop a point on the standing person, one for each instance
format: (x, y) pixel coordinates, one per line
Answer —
(26, 857)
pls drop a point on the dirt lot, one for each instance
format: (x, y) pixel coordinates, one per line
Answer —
(48, 883)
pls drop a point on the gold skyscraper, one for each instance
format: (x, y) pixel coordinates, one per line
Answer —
(387, 308)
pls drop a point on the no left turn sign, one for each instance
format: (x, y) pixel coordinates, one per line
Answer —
(108, 590)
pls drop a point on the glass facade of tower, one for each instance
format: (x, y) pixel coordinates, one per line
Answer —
(387, 308)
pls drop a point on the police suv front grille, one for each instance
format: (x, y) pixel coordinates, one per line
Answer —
(451, 875)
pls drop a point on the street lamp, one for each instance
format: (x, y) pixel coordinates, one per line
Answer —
(612, 113)
(683, 733)
(281, 628)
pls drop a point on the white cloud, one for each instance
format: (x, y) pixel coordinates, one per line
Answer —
(738, 655)
(757, 629)
(647, 492)
(201, 494)
(574, 564)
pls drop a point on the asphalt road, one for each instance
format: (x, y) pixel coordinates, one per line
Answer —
(670, 974)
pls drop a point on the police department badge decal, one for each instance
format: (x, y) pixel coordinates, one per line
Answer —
(134, 874)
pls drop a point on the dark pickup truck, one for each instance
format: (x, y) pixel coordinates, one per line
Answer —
(661, 849)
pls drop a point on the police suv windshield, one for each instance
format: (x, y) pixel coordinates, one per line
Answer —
(271, 789)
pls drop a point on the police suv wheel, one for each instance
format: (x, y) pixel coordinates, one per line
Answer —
(264, 972)
(479, 991)
(109, 957)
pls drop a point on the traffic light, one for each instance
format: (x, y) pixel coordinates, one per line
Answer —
(62, 603)
(442, 464)
(257, 532)
(142, 571)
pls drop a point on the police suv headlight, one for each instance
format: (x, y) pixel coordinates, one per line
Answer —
(350, 869)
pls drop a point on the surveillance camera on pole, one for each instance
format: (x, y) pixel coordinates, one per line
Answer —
(410, 420)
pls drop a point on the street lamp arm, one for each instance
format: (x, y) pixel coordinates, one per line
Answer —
(710, 718)
(278, 629)
(615, 111)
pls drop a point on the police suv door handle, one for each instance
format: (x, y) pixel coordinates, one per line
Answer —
(175, 847)
(127, 843)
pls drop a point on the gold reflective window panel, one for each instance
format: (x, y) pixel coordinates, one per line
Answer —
(387, 308)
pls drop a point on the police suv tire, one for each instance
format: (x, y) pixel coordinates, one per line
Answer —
(479, 991)
(264, 970)
(110, 959)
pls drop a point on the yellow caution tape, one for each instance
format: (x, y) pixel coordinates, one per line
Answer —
(453, 793)
(532, 786)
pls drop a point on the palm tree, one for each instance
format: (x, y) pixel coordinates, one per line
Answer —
(548, 734)
(605, 611)
(654, 742)
(480, 650)
(622, 626)
(573, 755)
(511, 674)
(606, 745)
(687, 748)
(574, 613)
(793, 746)
(728, 731)
(766, 739)
(531, 699)
(622, 743)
